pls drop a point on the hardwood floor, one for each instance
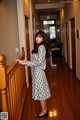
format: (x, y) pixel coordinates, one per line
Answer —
(64, 103)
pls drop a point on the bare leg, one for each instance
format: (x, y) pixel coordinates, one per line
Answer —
(44, 112)
(43, 106)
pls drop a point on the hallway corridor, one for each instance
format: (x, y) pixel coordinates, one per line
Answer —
(64, 103)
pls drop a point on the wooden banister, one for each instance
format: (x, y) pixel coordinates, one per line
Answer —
(13, 87)
(3, 85)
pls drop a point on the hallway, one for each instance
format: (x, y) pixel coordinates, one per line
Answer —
(64, 103)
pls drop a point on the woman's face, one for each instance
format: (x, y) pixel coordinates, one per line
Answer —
(39, 39)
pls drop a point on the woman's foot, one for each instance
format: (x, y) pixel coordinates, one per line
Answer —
(42, 114)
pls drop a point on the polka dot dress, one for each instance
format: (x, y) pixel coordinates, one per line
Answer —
(40, 87)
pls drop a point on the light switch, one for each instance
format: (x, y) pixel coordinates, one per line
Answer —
(16, 49)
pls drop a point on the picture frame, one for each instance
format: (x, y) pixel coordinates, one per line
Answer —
(78, 33)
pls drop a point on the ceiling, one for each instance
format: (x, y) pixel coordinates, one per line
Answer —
(47, 11)
(44, 1)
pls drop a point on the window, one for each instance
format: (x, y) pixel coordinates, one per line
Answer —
(48, 22)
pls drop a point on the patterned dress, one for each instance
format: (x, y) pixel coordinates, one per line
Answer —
(40, 88)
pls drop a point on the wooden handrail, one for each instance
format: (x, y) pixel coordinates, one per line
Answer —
(13, 87)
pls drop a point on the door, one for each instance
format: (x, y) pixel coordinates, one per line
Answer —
(50, 29)
(73, 45)
(67, 42)
(27, 45)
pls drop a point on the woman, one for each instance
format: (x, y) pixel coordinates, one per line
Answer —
(40, 88)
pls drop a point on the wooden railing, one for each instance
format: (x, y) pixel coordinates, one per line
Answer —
(13, 88)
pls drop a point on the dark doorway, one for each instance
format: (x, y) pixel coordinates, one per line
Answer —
(73, 45)
(67, 42)
(27, 45)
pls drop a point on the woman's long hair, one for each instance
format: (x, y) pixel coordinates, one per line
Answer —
(44, 42)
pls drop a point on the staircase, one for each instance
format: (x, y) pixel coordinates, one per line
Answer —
(13, 87)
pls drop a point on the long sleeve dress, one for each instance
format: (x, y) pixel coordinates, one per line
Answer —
(40, 87)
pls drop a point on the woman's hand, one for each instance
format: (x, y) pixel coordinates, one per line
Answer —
(21, 61)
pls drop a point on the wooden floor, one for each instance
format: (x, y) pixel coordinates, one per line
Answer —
(64, 103)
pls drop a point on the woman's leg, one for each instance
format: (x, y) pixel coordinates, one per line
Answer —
(43, 106)
(44, 112)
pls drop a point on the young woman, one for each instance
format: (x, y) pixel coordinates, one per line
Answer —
(40, 88)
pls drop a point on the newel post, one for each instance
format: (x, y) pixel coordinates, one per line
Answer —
(3, 85)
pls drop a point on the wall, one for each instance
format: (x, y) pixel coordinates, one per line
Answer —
(35, 19)
(26, 7)
(44, 17)
(9, 41)
(72, 10)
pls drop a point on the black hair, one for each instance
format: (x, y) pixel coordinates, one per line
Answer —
(44, 42)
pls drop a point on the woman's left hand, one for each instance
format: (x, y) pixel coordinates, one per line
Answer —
(21, 61)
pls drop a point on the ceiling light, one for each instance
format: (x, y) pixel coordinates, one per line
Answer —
(48, 0)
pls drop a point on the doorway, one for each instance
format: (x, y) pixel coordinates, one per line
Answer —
(27, 45)
(73, 45)
(49, 27)
(67, 42)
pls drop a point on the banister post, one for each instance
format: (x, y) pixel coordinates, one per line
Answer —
(3, 85)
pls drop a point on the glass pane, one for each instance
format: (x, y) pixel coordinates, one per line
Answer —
(52, 32)
(48, 22)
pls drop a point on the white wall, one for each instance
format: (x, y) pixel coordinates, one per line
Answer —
(21, 24)
(9, 39)
(24, 7)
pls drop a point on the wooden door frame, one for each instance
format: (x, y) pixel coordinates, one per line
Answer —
(27, 45)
